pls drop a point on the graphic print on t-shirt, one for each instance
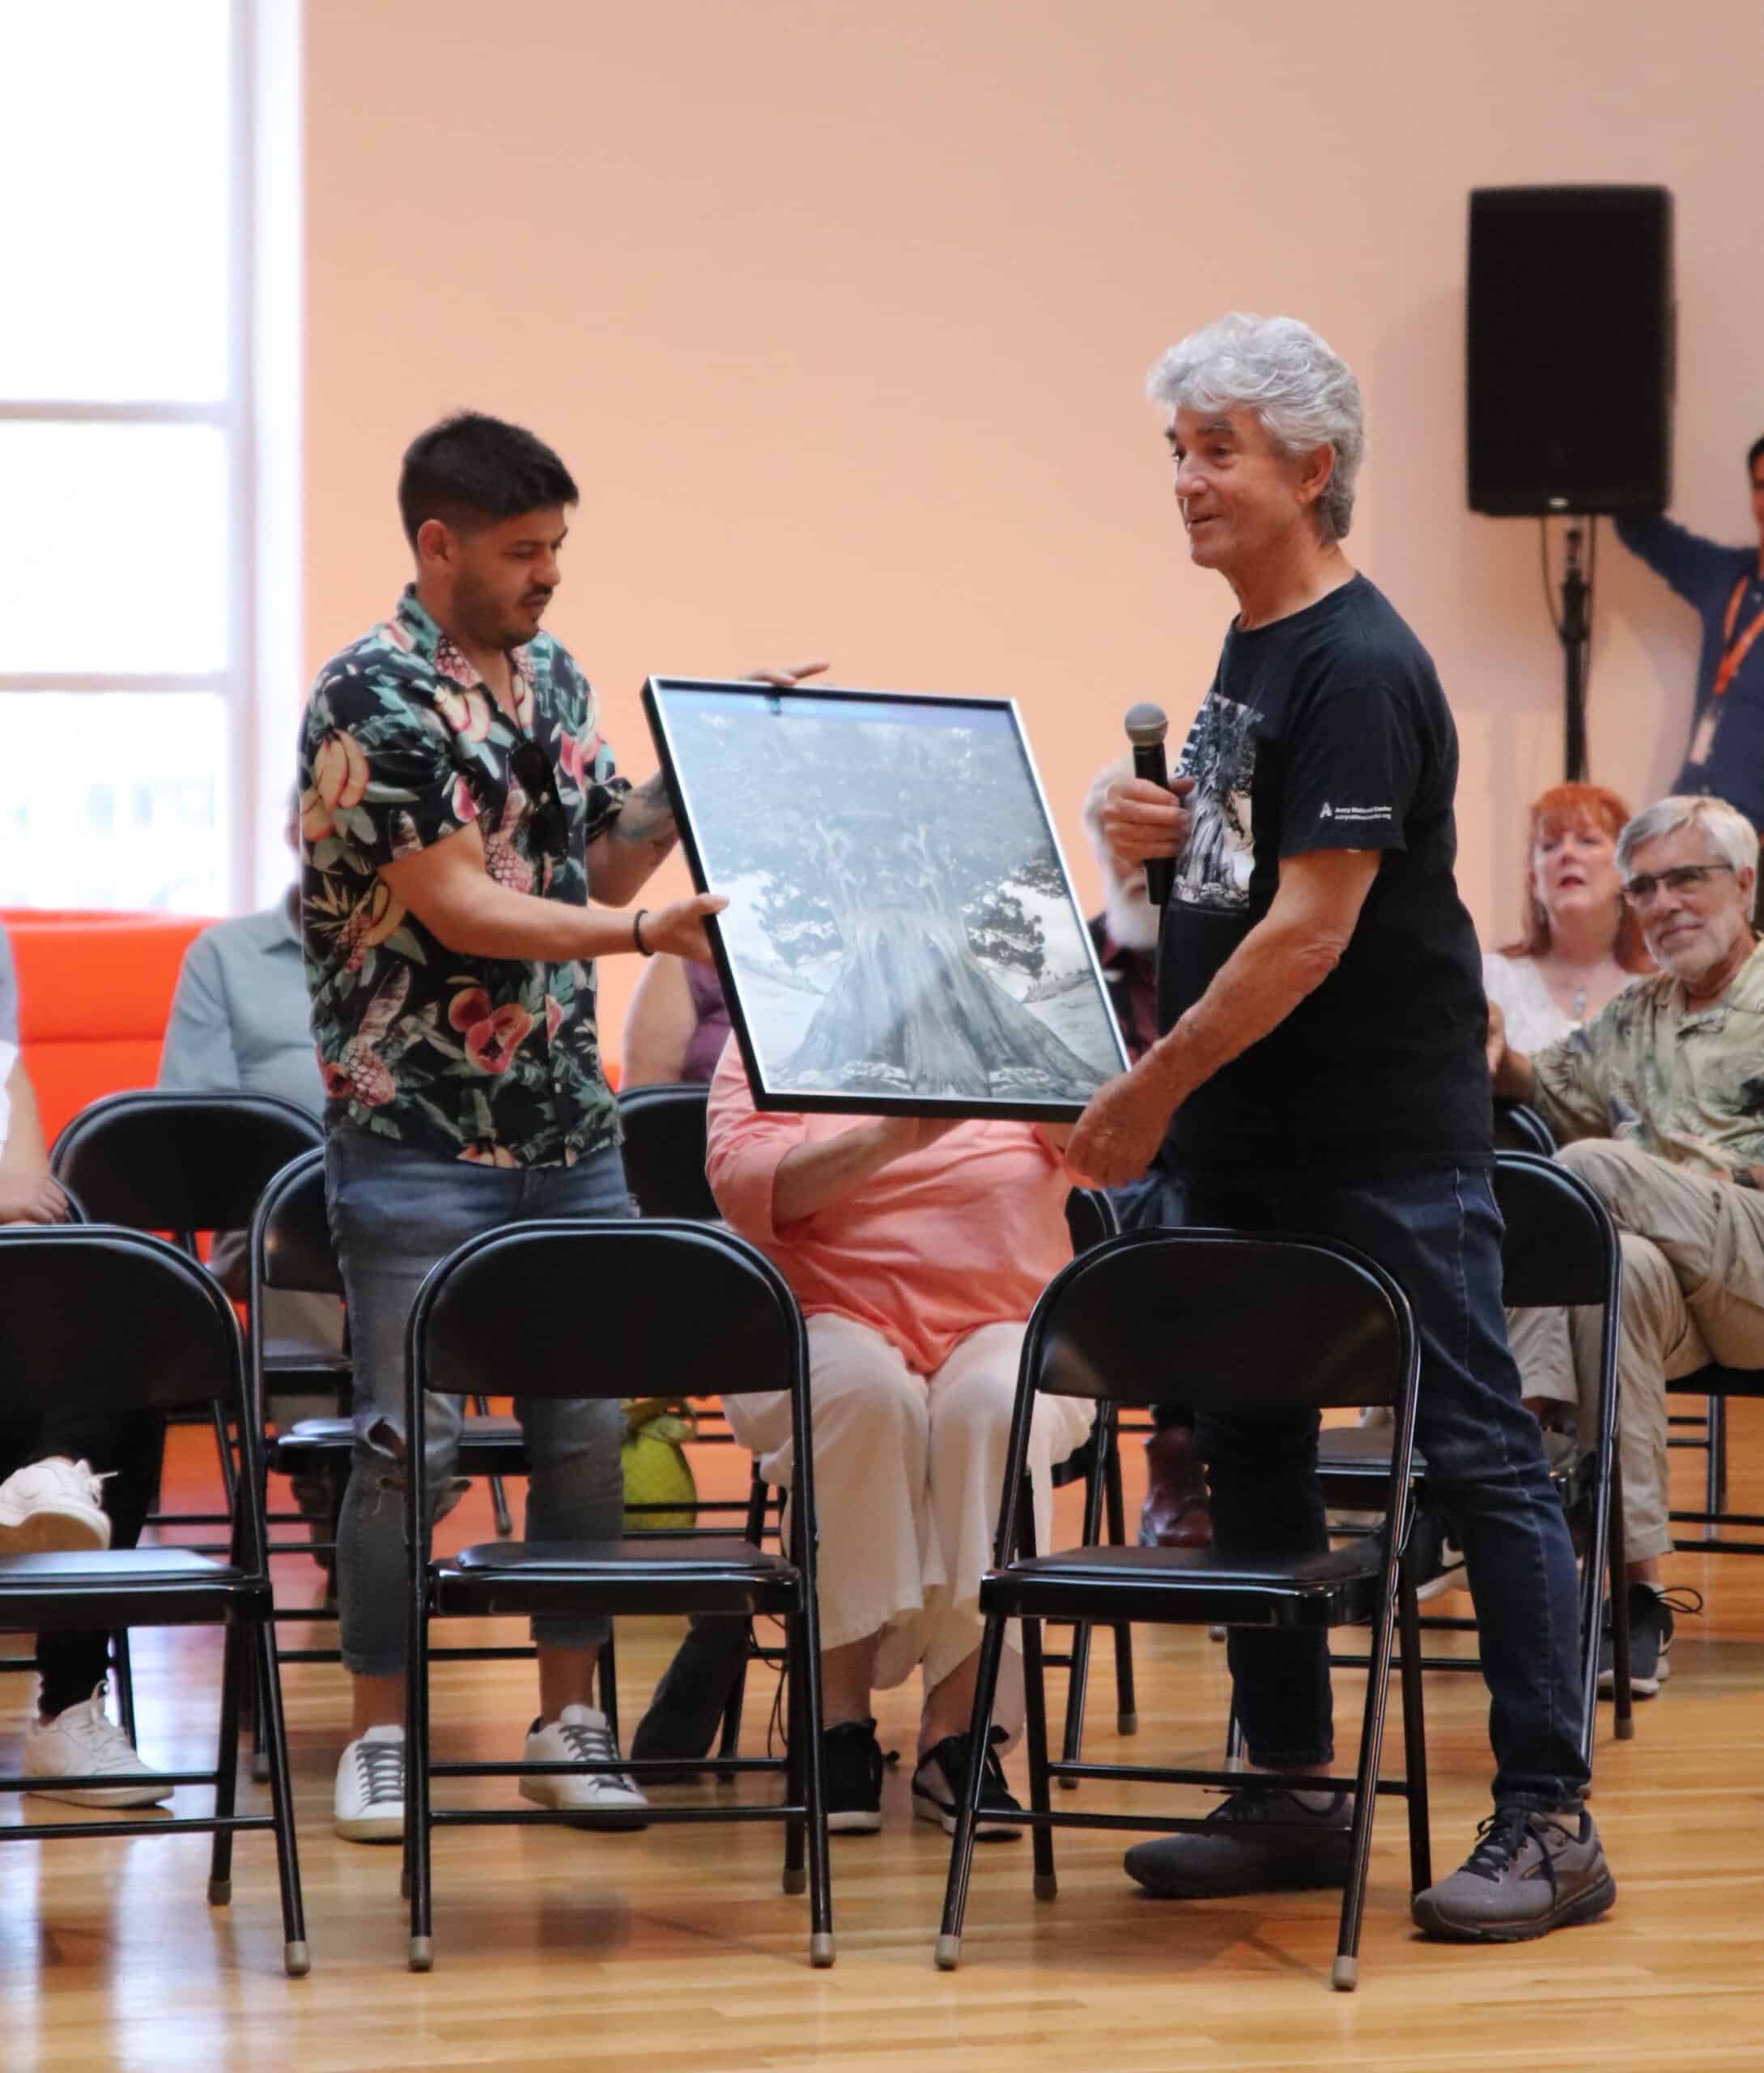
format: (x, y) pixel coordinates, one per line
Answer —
(1213, 869)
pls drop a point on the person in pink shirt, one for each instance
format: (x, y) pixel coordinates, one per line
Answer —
(918, 1249)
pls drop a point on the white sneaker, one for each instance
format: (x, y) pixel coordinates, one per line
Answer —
(52, 1507)
(83, 1742)
(581, 1735)
(369, 1805)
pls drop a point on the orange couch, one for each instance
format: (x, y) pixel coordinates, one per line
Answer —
(95, 991)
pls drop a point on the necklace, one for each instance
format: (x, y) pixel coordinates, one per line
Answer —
(1579, 1003)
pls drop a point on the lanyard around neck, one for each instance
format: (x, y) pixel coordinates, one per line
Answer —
(1734, 652)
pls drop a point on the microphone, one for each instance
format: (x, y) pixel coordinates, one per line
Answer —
(1146, 727)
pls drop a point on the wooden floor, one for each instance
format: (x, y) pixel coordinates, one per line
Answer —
(674, 1948)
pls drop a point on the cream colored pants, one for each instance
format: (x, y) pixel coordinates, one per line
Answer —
(908, 1470)
(1692, 1293)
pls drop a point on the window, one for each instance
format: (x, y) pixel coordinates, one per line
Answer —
(130, 446)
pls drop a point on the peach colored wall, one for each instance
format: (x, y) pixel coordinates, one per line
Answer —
(838, 310)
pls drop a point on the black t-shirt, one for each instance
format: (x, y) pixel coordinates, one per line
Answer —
(1328, 731)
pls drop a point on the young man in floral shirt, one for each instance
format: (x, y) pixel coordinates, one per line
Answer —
(458, 806)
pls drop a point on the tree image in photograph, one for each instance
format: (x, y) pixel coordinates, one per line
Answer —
(902, 861)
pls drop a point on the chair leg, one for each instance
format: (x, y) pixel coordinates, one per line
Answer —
(1622, 1692)
(499, 1495)
(1346, 1975)
(125, 1669)
(606, 1684)
(795, 1878)
(1236, 1742)
(1126, 1706)
(220, 1884)
(296, 1958)
(806, 1668)
(1035, 1726)
(416, 1854)
(1717, 1478)
(223, 1445)
(949, 1949)
(1077, 1681)
(1414, 1733)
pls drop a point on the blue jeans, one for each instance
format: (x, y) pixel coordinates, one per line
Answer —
(393, 1214)
(1439, 1234)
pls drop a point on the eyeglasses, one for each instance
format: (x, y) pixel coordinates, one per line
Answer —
(532, 769)
(1641, 889)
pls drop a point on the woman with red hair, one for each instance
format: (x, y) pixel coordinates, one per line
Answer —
(1581, 944)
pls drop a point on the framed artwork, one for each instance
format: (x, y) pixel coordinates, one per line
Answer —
(902, 936)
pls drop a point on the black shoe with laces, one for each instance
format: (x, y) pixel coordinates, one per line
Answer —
(1650, 1638)
(940, 1784)
(1529, 1873)
(1251, 1842)
(852, 1758)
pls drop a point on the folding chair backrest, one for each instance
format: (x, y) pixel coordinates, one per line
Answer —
(124, 1319)
(664, 1150)
(291, 1236)
(1561, 1246)
(1229, 1321)
(1091, 1218)
(1518, 1128)
(605, 1307)
(182, 1163)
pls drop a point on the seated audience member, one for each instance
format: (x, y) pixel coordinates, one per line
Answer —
(1656, 1102)
(676, 1025)
(1175, 1514)
(917, 1250)
(75, 1478)
(1582, 941)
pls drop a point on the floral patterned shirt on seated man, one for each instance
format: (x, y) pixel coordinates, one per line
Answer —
(489, 1059)
(1687, 1085)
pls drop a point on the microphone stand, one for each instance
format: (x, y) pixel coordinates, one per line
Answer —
(1574, 628)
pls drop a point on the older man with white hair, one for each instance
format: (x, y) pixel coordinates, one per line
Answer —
(1663, 1095)
(1321, 1069)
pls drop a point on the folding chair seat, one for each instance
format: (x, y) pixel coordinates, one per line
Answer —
(501, 1303)
(1560, 1248)
(130, 1321)
(1265, 1324)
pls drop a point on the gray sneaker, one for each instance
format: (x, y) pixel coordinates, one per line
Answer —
(1254, 1842)
(1529, 1873)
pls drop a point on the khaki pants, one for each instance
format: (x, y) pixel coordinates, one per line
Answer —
(1692, 1293)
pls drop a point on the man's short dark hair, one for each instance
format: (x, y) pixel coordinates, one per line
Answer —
(1752, 458)
(471, 470)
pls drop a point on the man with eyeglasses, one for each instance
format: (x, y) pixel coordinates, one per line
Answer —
(1724, 586)
(459, 810)
(1661, 1099)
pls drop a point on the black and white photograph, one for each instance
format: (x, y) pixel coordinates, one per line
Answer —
(901, 935)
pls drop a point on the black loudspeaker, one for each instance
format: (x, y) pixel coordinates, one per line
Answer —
(1569, 349)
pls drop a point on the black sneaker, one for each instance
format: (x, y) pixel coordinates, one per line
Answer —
(1651, 1639)
(1529, 1873)
(852, 1758)
(941, 1781)
(1254, 1842)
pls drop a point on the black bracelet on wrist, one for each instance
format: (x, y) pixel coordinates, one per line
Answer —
(641, 948)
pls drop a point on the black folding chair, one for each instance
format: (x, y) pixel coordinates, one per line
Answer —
(1265, 1324)
(1716, 1384)
(185, 1164)
(1560, 1249)
(502, 1305)
(1519, 1128)
(664, 1150)
(129, 1319)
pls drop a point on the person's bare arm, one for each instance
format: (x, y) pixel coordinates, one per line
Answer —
(1510, 1070)
(1287, 956)
(659, 1025)
(448, 889)
(28, 1195)
(810, 1177)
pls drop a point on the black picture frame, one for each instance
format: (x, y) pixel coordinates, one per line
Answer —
(902, 936)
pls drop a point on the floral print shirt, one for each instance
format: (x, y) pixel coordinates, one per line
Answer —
(1647, 1070)
(496, 1060)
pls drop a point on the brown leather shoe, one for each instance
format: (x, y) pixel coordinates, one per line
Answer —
(1176, 1513)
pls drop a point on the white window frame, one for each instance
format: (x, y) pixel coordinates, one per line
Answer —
(259, 418)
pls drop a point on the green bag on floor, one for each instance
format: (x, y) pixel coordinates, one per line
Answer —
(656, 1471)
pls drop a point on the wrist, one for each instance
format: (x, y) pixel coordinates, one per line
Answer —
(638, 943)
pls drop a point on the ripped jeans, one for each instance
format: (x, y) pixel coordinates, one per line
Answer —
(394, 1213)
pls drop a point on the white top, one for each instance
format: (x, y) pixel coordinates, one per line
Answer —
(8, 1055)
(1517, 988)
